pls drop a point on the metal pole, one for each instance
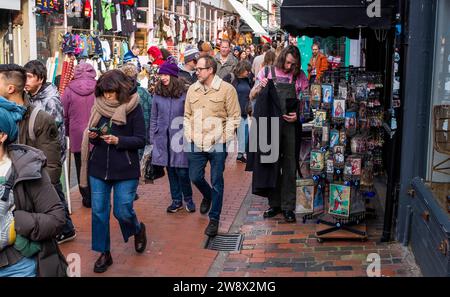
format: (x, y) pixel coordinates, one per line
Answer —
(10, 39)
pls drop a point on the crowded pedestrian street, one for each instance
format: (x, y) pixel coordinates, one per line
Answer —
(225, 139)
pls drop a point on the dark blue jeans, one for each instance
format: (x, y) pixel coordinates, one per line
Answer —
(180, 184)
(124, 193)
(197, 164)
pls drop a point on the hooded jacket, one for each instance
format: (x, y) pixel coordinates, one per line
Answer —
(47, 98)
(77, 100)
(39, 215)
(227, 67)
(46, 139)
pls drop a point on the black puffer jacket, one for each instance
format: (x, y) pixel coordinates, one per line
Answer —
(39, 214)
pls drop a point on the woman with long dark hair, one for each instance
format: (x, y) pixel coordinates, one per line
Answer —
(117, 132)
(168, 107)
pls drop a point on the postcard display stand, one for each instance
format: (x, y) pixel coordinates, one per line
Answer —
(346, 152)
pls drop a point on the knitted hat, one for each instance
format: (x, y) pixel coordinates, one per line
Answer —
(169, 67)
(206, 47)
(191, 53)
(154, 52)
(237, 48)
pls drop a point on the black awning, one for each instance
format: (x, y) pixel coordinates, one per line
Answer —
(335, 17)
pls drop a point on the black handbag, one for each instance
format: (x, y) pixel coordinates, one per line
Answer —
(153, 172)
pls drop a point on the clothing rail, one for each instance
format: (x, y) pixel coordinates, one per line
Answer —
(98, 35)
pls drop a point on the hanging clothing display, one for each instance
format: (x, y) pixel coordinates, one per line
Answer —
(128, 19)
(106, 50)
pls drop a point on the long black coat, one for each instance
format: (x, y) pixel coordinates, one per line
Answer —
(265, 175)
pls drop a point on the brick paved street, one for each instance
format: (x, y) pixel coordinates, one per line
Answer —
(175, 241)
(275, 248)
(271, 247)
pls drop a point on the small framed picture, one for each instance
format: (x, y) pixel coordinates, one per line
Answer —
(320, 118)
(342, 137)
(316, 139)
(342, 91)
(338, 109)
(334, 138)
(361, 91)
(319, 201)
(325, 134)
(317, 160)
(356, 166)
(330, 166)
(362, 110)
(327, 92)
(316, 92)
(305, 196)
(348, 169)
(339, 200)
(350, 120)
(338, 154)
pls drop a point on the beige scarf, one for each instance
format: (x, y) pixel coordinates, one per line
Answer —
(109, 109)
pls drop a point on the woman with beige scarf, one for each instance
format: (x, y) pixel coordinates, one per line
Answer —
(116, 130)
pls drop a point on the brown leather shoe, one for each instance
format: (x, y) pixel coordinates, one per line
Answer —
(103, 262)
(140, 240)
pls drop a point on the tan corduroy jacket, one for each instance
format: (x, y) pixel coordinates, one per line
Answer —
(211, 115)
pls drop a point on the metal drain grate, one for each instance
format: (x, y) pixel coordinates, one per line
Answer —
(225, 242)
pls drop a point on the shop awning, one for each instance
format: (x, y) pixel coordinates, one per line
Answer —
(10, 4)
(336, 18)
(247, 17)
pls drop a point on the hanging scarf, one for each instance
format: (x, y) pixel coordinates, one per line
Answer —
(110, 109)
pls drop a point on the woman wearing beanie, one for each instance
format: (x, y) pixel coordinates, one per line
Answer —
(27, 238)
(168, 105)
(117, 132)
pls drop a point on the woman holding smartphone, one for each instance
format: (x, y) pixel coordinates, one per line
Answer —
(117, 132)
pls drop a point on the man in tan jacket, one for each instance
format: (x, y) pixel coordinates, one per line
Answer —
(212, 115)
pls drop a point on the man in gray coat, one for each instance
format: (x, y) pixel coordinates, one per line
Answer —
(225, 60)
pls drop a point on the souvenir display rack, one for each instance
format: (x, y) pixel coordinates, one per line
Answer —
(346, 151)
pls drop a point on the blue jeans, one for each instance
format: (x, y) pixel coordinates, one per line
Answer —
(26, 267)
(180, 184)
(197, 164)
(124, 193)
(242, 135)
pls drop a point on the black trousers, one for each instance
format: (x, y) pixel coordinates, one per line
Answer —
(85, 192)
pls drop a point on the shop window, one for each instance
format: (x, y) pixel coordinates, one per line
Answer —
(440, 96)
(48, 28)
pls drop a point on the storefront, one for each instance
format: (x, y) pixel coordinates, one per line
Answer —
(415, 62)
(423, 220)
(10, 28)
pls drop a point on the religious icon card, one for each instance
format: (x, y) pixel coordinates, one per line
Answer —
(327, 93)
(334, 138)
(339, 203)
(350, 120)
(338, 154)
(320, 118)
(305, 196)
(356, 165)
(317, 161)
(338, 109)
(316, 92)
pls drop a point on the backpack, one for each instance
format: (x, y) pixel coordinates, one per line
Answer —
(7, 230)
(31, 123)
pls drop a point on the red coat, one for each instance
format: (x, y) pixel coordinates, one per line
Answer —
(320, 64)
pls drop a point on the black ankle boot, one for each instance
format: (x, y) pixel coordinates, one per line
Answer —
(103, 262)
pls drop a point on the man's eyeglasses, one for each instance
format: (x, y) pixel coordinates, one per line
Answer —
(198, 69)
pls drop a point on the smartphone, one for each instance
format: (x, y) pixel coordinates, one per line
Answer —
(96, 130)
